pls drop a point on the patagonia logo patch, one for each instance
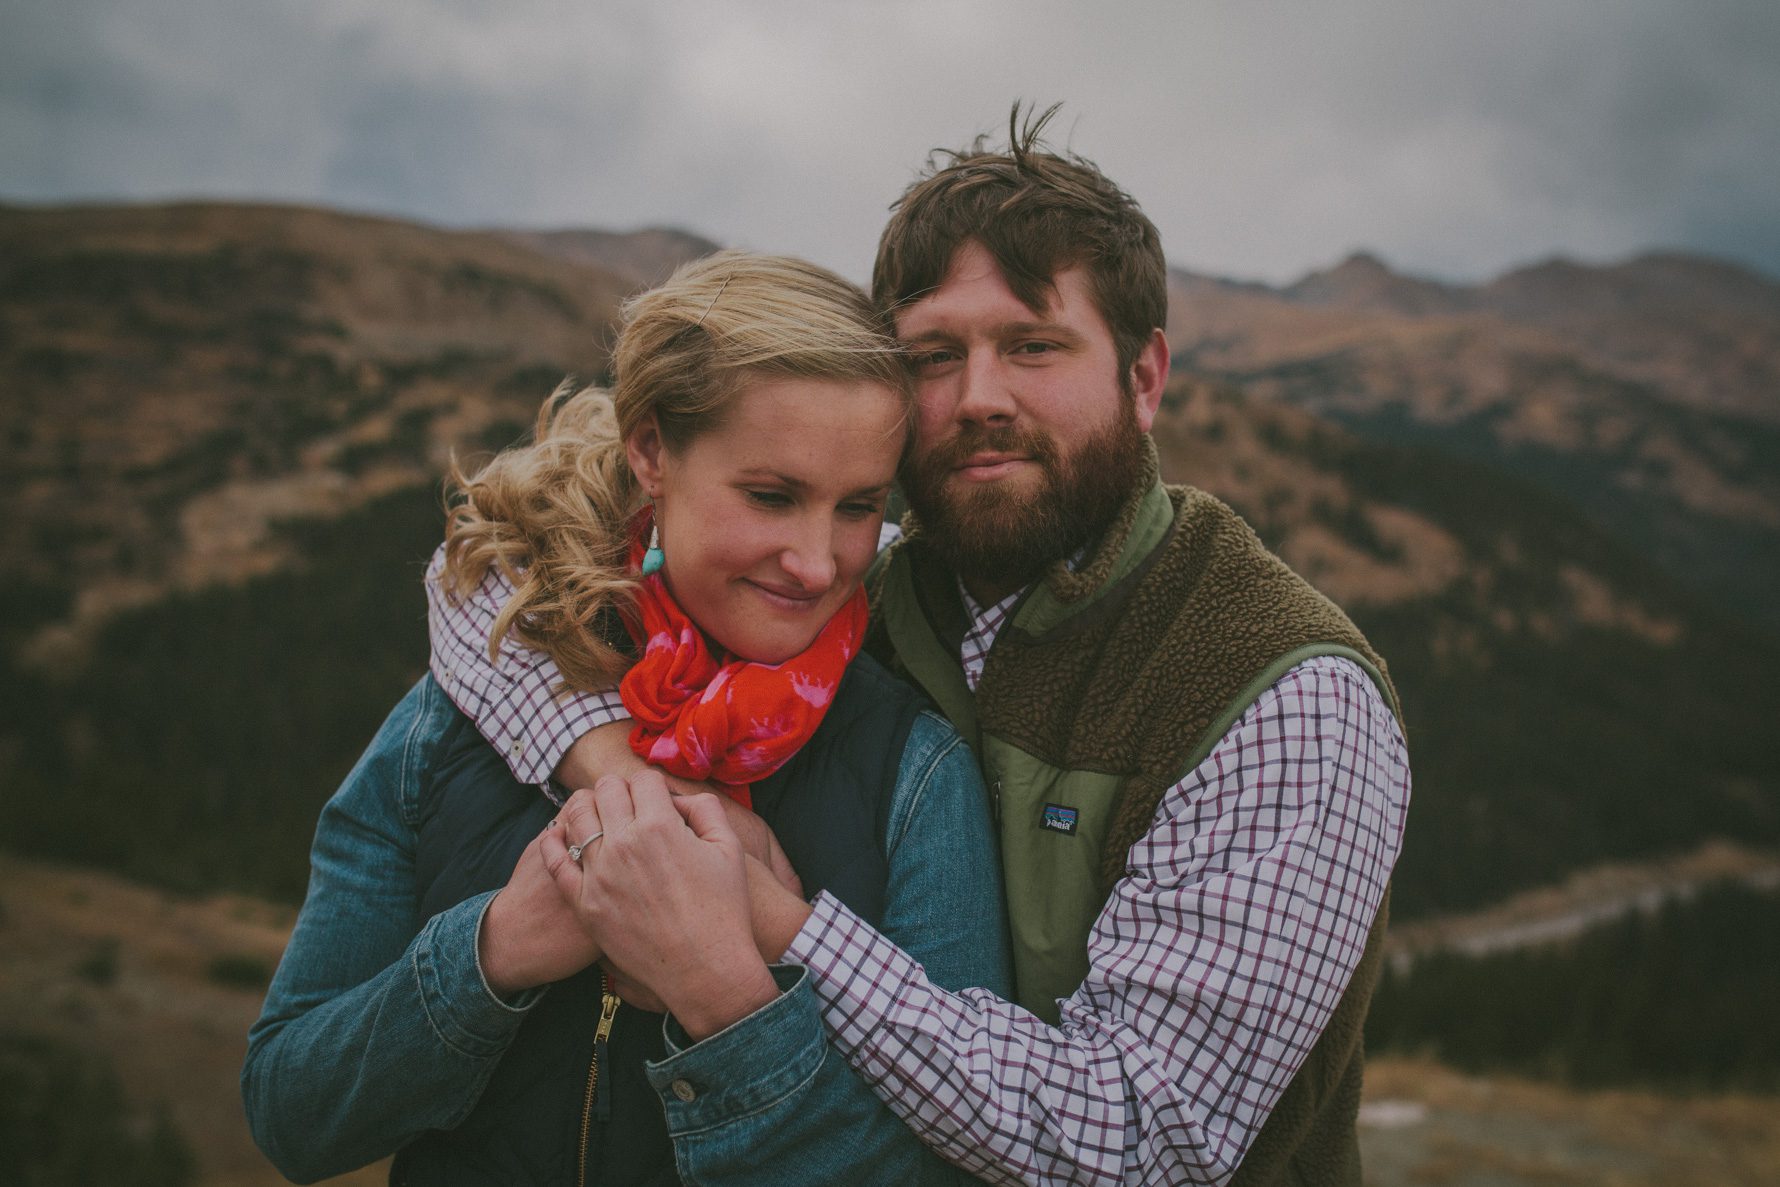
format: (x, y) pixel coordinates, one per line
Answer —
(1060, 819)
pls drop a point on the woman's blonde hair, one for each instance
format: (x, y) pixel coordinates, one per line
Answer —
(555, 516)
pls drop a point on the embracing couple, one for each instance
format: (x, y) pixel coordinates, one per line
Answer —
(736, 838)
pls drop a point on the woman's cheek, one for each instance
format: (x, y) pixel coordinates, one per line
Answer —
(859, 546)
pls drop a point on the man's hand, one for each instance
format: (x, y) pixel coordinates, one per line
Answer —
(606, 750)
(530, 936)
(757, 839)
(664, 891)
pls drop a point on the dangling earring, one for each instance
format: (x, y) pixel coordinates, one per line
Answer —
(652, 559)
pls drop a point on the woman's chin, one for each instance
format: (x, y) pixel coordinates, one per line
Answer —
(775, 650)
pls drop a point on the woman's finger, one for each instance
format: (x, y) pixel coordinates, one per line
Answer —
(612, 803)
(578, 811)
(705, 816)
(563, 870)
(582, 824)
(652, 800)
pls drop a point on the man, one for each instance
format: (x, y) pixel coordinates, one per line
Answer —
(1199, 777)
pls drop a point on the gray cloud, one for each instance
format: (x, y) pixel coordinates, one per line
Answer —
(1265, 139)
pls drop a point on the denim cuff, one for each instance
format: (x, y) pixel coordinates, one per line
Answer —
(461, 1008)
(748, 1066)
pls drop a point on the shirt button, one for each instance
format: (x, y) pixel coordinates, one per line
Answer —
(684, 1091)
(516, 747)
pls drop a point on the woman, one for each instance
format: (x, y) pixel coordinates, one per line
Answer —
(715, 515)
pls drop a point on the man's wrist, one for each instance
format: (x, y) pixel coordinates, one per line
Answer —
(776, 914)
(603, 750)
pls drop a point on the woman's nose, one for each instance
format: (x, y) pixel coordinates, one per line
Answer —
(809, 557)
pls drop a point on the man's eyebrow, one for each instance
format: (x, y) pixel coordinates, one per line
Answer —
(1054, 329)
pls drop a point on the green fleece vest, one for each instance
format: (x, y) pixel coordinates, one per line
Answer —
(1108, 686)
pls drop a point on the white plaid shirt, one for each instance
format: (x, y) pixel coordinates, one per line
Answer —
(1213, 967)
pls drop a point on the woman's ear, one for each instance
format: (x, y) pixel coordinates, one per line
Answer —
(643, 449)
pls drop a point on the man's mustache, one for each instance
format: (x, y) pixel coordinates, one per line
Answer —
(973, 439)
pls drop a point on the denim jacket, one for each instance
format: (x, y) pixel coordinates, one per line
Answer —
(379, 1025)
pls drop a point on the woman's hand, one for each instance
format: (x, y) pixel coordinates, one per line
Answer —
(530, 936)
(664, 892)
(605, 750)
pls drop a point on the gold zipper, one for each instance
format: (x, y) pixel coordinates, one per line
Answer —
(609, 1003)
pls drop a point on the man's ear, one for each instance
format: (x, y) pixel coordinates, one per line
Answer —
(644, 450)
(1149, 375)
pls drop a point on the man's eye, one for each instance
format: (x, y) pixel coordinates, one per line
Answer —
(1035, 348)
(769, 498)
(927, 359)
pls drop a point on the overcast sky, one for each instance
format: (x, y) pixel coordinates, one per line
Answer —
(1264, 138)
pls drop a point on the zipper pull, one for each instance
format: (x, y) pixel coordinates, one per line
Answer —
(609, 1003)
(602, 1100)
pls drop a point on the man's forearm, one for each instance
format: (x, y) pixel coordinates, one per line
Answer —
(512, 700)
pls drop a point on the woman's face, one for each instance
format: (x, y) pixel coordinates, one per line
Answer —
(769, 521)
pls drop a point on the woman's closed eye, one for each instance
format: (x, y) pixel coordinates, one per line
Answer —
(862, 508)
(773, 500)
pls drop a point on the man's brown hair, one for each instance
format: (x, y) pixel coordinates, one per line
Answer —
(1036, 212)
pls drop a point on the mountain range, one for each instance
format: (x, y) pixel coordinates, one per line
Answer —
(1553, 500)
(1647, 393)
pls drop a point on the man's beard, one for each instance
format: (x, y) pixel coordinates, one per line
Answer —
(997, 535)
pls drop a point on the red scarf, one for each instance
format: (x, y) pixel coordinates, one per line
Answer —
(706, 716)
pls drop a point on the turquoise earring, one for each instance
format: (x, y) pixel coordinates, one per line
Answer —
(652, 559)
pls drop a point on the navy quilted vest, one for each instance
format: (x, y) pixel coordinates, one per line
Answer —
(829, 807)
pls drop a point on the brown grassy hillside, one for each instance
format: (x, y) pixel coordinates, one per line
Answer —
(178, 379)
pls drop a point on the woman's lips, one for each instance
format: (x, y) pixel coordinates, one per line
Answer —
(788, 599)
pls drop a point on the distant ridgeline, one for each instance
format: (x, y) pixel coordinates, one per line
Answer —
(1679, 999)
(229, 423)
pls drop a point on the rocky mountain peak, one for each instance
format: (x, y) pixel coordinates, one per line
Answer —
(1363, 281)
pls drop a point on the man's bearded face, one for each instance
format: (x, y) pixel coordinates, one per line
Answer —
(1004, 533)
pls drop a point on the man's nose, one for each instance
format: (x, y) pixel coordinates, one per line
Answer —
(984, 395)
(808, 558)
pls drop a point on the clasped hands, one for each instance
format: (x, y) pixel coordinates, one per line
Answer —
(681, 909)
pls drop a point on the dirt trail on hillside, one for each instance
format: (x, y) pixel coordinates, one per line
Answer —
(1586, 899)
(176, 1038)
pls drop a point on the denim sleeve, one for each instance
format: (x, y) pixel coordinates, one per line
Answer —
(767, 1100)
(378, 1025)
